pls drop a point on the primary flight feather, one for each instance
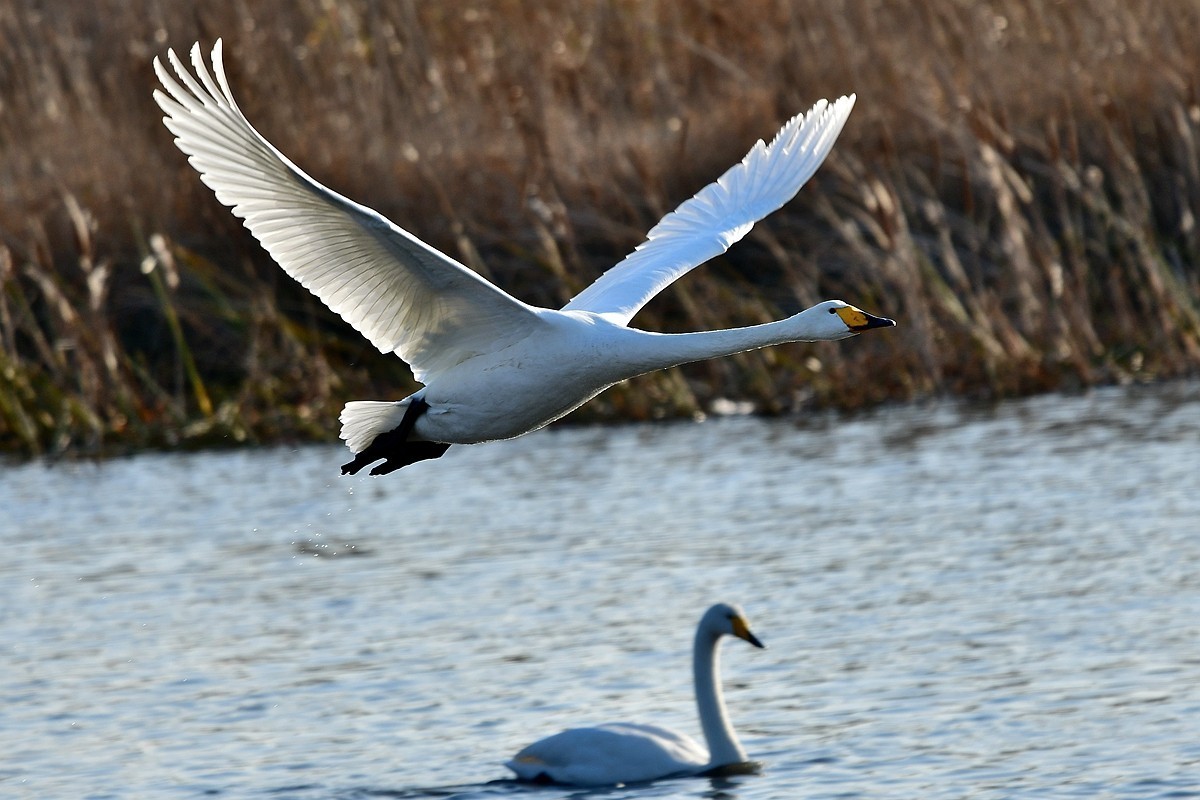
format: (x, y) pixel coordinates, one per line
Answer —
(492, 366)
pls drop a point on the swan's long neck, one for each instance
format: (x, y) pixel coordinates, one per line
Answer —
(723, 745)
(644, 351)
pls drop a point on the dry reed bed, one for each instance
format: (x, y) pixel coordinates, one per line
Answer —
(1017, 186)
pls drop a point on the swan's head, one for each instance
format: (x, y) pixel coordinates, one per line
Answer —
(724, 619)
(834, 319)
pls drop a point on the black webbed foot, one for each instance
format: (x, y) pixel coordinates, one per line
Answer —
(411, 453)
(385, 445)
(394, 448)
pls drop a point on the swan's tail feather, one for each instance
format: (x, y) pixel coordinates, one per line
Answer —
(376, 430)
(363, 420)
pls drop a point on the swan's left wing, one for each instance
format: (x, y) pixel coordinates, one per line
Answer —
(618, 752)
(401, 294)
(720, 214)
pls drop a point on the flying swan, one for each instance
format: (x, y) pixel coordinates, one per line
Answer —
(492, 367)
(624, 752)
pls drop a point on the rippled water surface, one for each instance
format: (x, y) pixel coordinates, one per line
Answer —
(957, 603)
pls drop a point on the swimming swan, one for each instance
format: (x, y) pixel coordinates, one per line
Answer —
(492, 366)
(624, 752)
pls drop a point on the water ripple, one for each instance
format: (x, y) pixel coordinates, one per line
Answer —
(958, 601)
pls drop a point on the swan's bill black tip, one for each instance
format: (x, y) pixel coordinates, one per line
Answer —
(858, 320)
(870, 321)
(741, 629)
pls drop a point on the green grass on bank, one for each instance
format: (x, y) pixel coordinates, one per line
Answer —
(1018, 186)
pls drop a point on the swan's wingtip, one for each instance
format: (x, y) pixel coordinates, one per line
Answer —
(174, 60)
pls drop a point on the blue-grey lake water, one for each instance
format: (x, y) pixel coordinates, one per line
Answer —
(998, 602)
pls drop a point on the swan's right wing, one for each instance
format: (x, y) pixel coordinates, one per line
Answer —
(401, 294)
(720, 214)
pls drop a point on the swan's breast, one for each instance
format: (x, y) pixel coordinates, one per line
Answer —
(522, 387)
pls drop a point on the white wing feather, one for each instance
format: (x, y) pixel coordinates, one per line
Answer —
(720, 214)
(401, 294)
(618, 752)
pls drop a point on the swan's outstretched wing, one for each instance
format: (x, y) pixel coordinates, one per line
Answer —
(398, 292)
(720, 214)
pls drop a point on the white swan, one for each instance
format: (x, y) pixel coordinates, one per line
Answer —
(624, 752)
(492, 366)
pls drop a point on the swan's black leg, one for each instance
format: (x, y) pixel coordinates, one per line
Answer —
(411, 453)
(393, 446)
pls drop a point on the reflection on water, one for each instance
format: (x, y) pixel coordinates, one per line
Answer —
(992, 602)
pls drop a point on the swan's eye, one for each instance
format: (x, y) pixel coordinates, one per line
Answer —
(833, 311)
